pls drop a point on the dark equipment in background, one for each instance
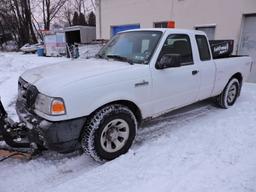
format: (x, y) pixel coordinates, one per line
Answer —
(73, 37)
(80, 34)
(221, 48)
(72, 51)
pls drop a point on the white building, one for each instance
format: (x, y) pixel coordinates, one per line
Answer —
(220, 19)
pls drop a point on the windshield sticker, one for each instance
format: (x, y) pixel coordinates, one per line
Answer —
(137, 57)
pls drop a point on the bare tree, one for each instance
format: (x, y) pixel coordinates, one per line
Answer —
(16, 16)
(78, 5)
(24, 18)
(93, 4)
(84, 6)
(50, 9)
(37, 27)
(68, 13)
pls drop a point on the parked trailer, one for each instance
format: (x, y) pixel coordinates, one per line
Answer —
(80, 34)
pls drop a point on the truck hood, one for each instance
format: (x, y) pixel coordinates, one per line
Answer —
(56, 76)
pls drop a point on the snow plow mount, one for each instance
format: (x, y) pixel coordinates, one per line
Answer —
(15, 136)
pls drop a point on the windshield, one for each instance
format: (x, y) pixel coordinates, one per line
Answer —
(132, 47)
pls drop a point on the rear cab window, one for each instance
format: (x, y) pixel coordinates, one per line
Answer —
(203, 48)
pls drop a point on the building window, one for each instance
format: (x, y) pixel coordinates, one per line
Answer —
(161, 24)
(120, 28)
(209, 30)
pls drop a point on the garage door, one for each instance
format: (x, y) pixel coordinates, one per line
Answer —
(210, 31)
(248, 42)
(116, 29)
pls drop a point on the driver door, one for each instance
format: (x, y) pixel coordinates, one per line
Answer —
(174, 87)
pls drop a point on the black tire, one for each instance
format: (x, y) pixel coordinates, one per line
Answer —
(223, 100)
(96, 137)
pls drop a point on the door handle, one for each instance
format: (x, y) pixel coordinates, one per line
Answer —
(142, 83)
(194, 72)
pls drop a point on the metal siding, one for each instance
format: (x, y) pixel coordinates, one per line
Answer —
(248, 43)
(87, 33)
(83, 35)
(91, 34)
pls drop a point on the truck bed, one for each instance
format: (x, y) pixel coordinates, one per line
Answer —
(228, 66)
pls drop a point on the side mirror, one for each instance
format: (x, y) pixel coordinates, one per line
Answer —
(168, 61)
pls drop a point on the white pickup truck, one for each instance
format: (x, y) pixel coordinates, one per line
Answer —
(97, 104)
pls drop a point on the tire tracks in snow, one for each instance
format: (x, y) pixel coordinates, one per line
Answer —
(165, 124)
(53, 169)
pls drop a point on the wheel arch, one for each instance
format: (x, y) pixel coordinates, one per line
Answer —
(239, 77)
(129, 104)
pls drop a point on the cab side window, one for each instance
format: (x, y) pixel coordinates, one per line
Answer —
(203, 48)
(178, 44)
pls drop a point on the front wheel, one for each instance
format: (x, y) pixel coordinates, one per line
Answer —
(109, 133)
(229, 95)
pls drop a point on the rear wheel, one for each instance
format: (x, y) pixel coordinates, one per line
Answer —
(109, 133)
(229, 95)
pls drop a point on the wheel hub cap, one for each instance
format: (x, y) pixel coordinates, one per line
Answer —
(232, 93)
(114, 135)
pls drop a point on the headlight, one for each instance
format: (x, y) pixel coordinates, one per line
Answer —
(50, 105)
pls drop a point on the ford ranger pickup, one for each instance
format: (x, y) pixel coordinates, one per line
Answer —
(97, 104)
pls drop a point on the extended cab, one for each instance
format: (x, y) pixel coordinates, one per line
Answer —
(97, 104)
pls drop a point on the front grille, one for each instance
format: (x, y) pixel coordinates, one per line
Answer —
(27, 93)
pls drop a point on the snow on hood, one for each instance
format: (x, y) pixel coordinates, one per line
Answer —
(58, 75)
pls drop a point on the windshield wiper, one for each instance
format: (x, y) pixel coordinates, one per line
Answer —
(120, 58)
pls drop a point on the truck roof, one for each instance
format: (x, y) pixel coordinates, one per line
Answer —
(186, 31)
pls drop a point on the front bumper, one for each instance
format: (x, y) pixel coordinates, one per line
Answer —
(61, 136)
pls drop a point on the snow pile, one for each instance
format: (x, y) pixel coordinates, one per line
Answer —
(90, 50)
(12, 65)
(198, 148)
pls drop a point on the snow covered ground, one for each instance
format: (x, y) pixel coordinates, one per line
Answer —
(194, 149)
(89, 50)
